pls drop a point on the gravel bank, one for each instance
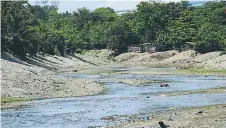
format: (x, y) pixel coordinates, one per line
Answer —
(137, 82)
(213, 116)
(185, 59)
(38, 78)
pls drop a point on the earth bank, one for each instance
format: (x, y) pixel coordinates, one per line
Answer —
(213, 116)
(37, 78)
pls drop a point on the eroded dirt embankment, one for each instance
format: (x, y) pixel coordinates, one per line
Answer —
(186, 59)
(37, 78)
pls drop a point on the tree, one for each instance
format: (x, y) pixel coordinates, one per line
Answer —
(17, 37)
(27, 30)
(106, 14)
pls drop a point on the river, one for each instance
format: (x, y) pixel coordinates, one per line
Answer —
(120, 99)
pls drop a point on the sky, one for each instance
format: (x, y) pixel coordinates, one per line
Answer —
(117, 5)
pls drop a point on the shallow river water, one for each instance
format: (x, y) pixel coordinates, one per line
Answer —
(120, 99)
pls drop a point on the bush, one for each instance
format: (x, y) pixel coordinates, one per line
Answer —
(78, 50)
(223, 52)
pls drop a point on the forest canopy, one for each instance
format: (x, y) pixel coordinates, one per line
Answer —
(27, 30)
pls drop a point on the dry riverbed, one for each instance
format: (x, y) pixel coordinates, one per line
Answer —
(213, 116)
(199, 91)
(37, 78)
(20, 82)
(191, 71)
(138, 82)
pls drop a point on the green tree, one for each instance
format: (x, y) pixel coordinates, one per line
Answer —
(106, 14)
(17, 37)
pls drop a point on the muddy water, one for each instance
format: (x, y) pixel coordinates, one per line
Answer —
(120, 99)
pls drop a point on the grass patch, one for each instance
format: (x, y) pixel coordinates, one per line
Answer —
(201, 71)
(5, 100)
(95, 72)
(211, 90)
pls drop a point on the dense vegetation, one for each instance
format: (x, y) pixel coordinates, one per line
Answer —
(28, 29)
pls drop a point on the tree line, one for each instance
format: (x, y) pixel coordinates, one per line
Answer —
(27, 30)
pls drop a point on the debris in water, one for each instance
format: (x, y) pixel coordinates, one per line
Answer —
(164, 85)
(38, 98)
(108, 118)
(119, 82)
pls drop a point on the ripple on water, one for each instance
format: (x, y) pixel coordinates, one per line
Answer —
(120, 99)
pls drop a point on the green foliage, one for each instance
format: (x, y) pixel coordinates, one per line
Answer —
(28, 29)
(17, 37)
(106, 14)
(204, 25)
(78, 50)
(5, 100)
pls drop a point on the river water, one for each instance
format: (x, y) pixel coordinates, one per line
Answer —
(120, 99)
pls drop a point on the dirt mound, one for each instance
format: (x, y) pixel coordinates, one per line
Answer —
(104, 53)
(125, 56)
(159, 56)
(139, 57)
(204, 57)
(216, 63)
(185, 59)
(19, 80)
(145, 57)
(175, 59)
(181, 56)
(34, 78)
(159, 59)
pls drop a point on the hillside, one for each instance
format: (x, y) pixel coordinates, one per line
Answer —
(37, 78)
(186, 59)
